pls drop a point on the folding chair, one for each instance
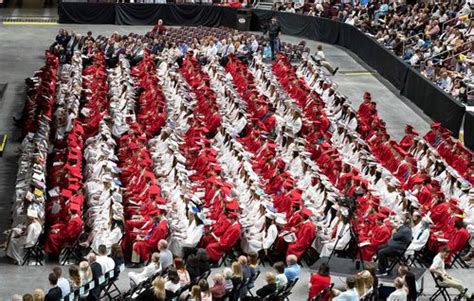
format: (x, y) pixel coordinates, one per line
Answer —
(229, 256)
(398, 259)
(70, 251)
(417, 259)
(325, 294)
(34, 254)
(307, 257)
(457, 260)
(441, 291)
(110, 288)
(251, 282)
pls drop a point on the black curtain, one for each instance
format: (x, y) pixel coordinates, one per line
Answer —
(433, 101)
(184, 15)
(469, 130)
(87, 13)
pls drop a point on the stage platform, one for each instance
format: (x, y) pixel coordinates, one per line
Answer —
(345, 267)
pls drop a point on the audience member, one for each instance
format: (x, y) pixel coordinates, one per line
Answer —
(106, 263)
(54, 292)
(151, 269)
(269, 288)
(350, 294)
(38, 295)
(438, 269)
(183, 273)
(206, 294)
(156, 293)
(166, 257)
(172, 284)
(293, 269)
(74, 278)
(281, 280)
(63, 283)
(27, 297)
(96, 269)
(400, 293)
(319, 281)
(218, 290)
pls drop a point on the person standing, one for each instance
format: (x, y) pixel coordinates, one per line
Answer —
(274, 31)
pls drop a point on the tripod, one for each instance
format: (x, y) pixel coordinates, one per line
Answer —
(354, 239)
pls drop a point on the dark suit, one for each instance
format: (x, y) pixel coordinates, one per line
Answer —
(395, 247)
(54, 294)
(94, 294)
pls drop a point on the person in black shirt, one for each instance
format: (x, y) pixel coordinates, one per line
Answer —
(269, 288)
(274, 36)
(54, 293)
(96, 273)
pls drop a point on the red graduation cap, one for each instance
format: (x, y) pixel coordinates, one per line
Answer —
(305, 212)
(232, 205)
(379, 216)
(76, 208)
(66, 193)
(453, 202)
(133, 146)
(159, 200)
(233, 214)
(435, 125)
(410, 131)
(74, 187)
(154, 190)
(367, 96)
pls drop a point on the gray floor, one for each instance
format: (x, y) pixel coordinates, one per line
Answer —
(21, 54)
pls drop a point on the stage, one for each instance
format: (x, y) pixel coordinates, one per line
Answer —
(345, 267)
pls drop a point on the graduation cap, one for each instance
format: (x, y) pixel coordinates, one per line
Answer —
(232, 205)
(75, 207)
(435, 125)
(66, 193)
(154, 190)
(305, 212)
(410, 131)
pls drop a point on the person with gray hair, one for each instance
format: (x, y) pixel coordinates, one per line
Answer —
(397, 244)
(166, 257)
(17, 297)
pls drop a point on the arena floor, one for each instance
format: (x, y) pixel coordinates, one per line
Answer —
(21, 49)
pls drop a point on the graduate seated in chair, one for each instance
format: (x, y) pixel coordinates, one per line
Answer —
(144, 245)
(227, 241)
(64, 233)
(24, 236)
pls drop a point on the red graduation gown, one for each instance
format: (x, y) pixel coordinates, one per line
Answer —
(68, 233)
(457, 242)
(380, 236)
(304, 238)
(228, 240)
(145, 247)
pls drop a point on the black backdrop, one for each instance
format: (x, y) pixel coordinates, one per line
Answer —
(429, 98)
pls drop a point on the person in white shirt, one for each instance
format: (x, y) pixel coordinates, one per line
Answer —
(105, 261)
(444, 279)
(152, 268)
(23, 237)
(321, 59)
(420, 236)
(400, 294)
(63, 283)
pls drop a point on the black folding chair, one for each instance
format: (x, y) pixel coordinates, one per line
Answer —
(33, 254)
(310, 254)
(110, 288)
(324, 294)
(251, 282)
(441, 290)
(457, 260)
(71, 251)
(398, 259)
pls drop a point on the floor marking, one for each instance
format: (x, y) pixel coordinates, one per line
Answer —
(29, 23)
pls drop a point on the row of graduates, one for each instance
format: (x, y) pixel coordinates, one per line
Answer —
(66, 202)
(456, 234)
(64, 179)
